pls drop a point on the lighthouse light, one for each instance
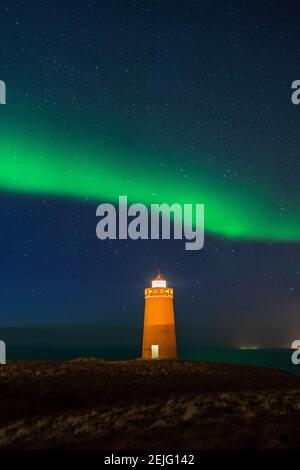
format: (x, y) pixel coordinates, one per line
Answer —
(159, 283)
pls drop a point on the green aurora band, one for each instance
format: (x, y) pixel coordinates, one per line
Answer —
(232, 209)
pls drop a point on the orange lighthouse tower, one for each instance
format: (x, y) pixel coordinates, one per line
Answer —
(159, 338)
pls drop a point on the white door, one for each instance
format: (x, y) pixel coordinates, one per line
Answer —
(155, 351)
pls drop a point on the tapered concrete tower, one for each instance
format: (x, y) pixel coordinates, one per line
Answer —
(159, 338)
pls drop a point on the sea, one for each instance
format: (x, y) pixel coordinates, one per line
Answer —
(276, 358)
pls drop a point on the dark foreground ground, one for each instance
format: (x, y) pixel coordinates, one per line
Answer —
(95, 404)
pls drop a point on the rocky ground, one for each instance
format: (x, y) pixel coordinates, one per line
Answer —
(96, 404)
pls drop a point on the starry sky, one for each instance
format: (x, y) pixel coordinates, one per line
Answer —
(162, 101)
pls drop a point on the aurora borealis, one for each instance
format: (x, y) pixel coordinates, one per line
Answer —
(164, 102)
(32, 167)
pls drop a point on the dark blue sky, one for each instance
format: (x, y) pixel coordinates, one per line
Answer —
(208, 81)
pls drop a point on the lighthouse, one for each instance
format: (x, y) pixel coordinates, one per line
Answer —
(159, 337)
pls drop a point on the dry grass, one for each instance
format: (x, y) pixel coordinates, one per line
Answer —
(92, 404)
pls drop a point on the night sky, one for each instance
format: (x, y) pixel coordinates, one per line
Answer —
(162, 101)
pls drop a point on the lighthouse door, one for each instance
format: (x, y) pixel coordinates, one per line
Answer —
(155, 351)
